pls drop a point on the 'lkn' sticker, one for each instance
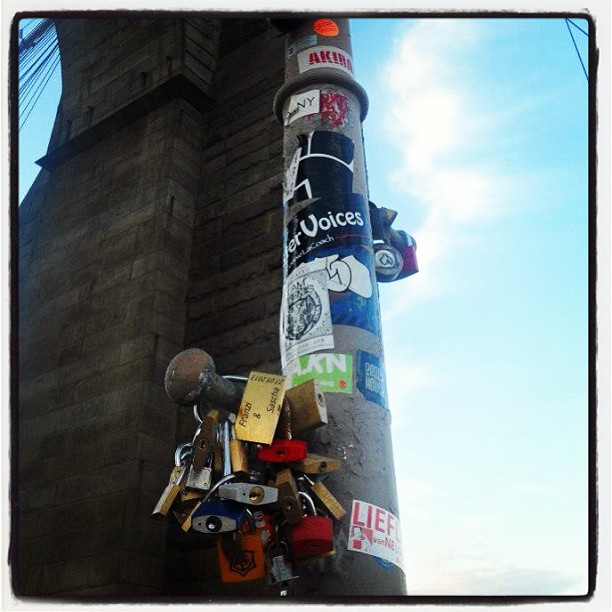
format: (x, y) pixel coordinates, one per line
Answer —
(334, 371)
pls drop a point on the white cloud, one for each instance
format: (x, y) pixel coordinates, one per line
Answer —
(445, 132)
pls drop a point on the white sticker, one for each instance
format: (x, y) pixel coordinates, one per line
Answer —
(375, 531)
(302, 43)
(302, 104)
(305, 321)
(325, 57)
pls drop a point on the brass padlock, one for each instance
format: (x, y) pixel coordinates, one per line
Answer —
(174, 486)
(309, 406)
(316, 464)
(288, 497)
(200, 472)
(260, 407)
(324, 495)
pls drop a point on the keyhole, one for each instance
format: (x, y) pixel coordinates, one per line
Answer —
(213, 524)
(256, 495)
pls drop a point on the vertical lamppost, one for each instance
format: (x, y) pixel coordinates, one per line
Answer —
(330, 326)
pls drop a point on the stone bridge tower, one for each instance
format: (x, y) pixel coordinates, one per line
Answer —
(154, 225)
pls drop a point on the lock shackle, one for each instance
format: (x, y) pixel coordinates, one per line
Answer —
(214, 488)
(191, 376)
(250, 519)
(180, 455)
(309, 502)
(224, 436)
(236, 378)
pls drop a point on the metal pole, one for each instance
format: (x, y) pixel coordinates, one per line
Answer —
(330, 317)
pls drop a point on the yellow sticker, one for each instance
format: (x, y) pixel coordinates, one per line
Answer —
(260, 407)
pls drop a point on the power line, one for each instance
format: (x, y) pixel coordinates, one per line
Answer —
(567, 23)
(39, 58)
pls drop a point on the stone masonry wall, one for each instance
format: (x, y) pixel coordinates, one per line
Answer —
(236, 275)
(156, 225)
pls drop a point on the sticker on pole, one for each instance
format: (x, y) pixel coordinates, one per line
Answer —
(306, 103)
(376, 532)
(371, 378)
(305, 321)
(321, 165)
(333, 371)
(325, 57)
(302, 43)
(326, 27)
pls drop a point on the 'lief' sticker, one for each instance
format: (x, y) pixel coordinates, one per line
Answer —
(334, 371)
(375, 531)
(325, 57)
(371, 378)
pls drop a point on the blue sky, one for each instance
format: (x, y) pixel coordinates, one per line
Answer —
(477, 136)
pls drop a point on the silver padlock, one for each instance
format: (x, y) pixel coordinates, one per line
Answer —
(388, 262)
(278, 565)
(249, 493)
(201, 479)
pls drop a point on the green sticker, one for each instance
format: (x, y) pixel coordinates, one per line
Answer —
(334, 371)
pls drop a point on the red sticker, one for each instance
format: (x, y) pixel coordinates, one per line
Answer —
(326, 27)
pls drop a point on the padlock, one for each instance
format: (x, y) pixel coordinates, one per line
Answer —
(316, 464)
(283, 451)
(264, 525)
(257, 468)
(200, 472)
(260, 407)
(311, 559)
(187, 495)
(408, 254)
(241, 555)
(218, 516)
(200, 479)
(313, 535)
(249, 493)
(308, 406)
(243, 492)
(288, 498)
(388, 262)
(278, 565)
(283, 448)
(238, 455)
(332, 505)
(174, 486)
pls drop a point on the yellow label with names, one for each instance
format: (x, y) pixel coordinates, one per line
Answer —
(260, 407)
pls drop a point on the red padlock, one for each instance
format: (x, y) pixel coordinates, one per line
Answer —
(282, 451)
(408, 253)
(313, 535)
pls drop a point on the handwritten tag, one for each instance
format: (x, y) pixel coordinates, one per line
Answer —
(260, 407)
